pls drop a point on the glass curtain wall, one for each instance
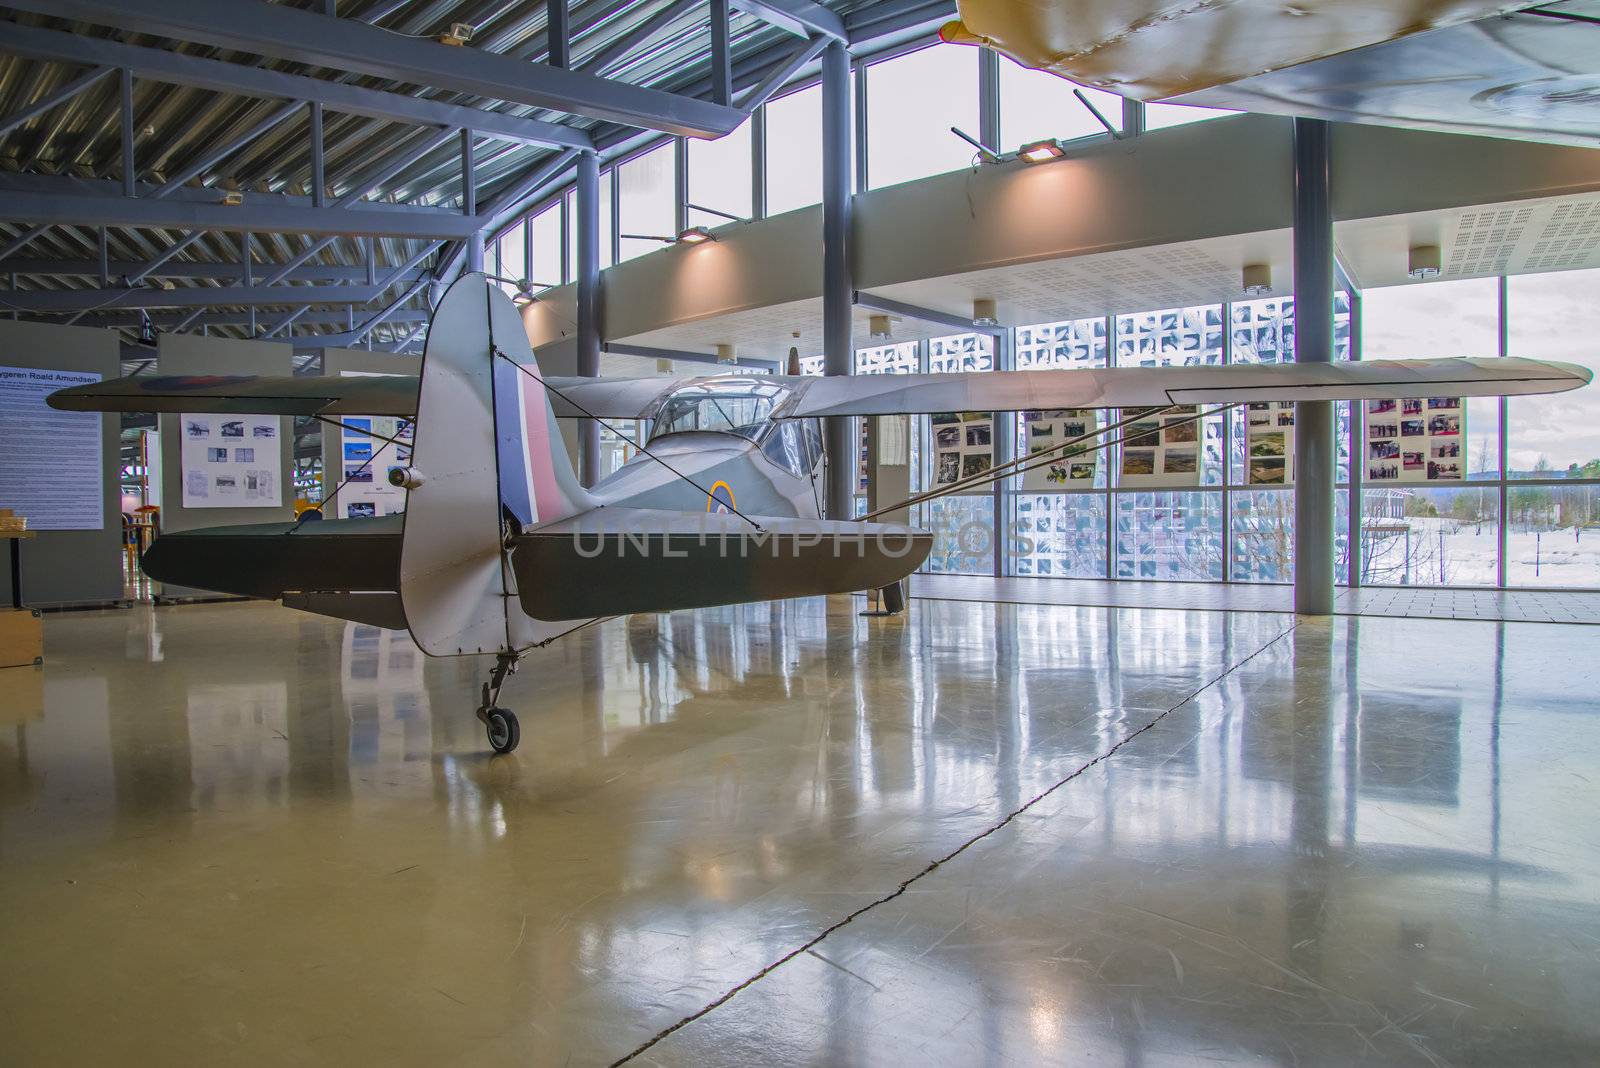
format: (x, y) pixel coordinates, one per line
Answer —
(1527, 512)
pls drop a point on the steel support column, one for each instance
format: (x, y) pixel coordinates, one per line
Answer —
(838, 284)
(588, 226)
(1314, 456)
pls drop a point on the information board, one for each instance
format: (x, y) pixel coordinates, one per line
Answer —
(963, 447)
(1269, 443)
(1416, 440)
(1161, 451)
(51, 465)
(1068, 469)
(231, 461)
(369, 446)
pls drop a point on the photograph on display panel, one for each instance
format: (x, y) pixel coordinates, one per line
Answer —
(963, 447)
(1067, 469)
(1415, 440)
(1269, 443)
(1160, 447)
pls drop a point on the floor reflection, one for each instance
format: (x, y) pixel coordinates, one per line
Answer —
(1325, 842)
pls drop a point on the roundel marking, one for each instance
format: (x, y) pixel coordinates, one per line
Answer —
(720, 499)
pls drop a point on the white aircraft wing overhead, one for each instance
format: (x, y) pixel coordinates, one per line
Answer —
(1140, 387)
(983, 391)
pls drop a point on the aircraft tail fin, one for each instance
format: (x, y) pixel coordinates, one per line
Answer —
(487, 459)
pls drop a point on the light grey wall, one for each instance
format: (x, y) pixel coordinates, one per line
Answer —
(61, 567)
(1217, 179)
(335, 362)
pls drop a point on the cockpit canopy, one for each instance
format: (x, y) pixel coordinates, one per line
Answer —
(741, 406)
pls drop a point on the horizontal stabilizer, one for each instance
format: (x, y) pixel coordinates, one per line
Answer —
(613, 561)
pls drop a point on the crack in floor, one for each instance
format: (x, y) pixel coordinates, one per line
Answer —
(933, 865)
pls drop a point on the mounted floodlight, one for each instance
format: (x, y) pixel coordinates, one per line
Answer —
(1423, 262)
(695, 235)
(1257, 279)
(458, 34)
(1041, 151)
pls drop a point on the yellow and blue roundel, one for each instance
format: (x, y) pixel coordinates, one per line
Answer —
(720, 499)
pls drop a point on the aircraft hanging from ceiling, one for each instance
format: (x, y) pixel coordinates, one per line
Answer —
(500, 550)
(1454, 66)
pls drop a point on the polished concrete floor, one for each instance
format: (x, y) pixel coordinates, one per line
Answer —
(781, 834)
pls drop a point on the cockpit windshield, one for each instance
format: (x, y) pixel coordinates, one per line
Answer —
(741, 406)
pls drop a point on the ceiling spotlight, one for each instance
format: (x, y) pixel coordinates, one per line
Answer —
(725, 353)
(1041, 151)
(1257, 279)
(878, 327)
(232, 198)
(1423, 262)
(458, 34)
(984, 312)
(695, 235)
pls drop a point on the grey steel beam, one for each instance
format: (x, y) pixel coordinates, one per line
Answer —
(558, 33)
(888, 18)
(130, 173)
(210, 159)
(782, 74)
(588, 309)
(264, 29)
(234, 78)
(51, 100)
(758, 163)
(64, 301)
(927, 315)
(721, 58)
(22, 240)
(39, 267)
(260, 213)
(298, 259)
(383, 316)
(509, 202)
(319, 170)
(838, 355)
(285, 322)
(1315, 458)
(799, 17)
(626, 44)
(167, 321)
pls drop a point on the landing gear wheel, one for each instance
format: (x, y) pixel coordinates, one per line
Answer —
(504, 731)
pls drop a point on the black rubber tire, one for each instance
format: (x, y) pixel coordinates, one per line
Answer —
(503, 730)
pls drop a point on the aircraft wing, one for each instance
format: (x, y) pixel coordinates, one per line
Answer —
(330, 395)
(246, 394)
(640, 398)
(1141, 387)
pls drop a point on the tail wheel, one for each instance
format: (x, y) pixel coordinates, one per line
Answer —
(503, 729)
